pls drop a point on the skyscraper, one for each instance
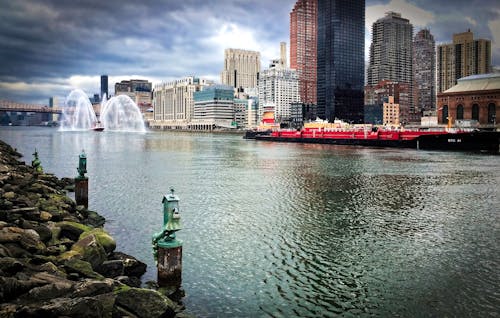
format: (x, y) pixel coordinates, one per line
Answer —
(340, 66)
(303, 47)
(391, 53)
(279, 87)
(424, 70)
(104, 86)
(464, 57)
(241, 68)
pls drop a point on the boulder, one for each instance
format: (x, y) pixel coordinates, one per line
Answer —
(91, 250)
(49, 291)
(144, 302)
(131, 281)
(94, 219)
(106, 241)
(72, 230)
(10, 265)
(111, 268)
(65, 307)
(82, 268)
(132, 266)
(92, 287)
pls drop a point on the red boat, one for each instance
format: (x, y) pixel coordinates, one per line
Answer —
(98, 127)
(439, 139)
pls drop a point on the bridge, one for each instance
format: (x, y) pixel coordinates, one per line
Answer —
(10, 106)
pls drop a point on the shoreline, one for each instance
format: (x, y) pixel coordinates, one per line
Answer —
(56, 259)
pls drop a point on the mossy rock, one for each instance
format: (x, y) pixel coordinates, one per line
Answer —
(72, 230)
(91, 250)
(144, 302)
(107, 242)
(82, 268)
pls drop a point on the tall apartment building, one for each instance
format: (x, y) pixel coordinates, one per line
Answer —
(303, 47)
(391, 52)
(424, 71)
(279, 86)
(241, 68)
(464, 57)
(340, 59)
(173, 101)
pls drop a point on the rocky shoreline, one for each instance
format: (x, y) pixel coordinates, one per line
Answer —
(57, 260)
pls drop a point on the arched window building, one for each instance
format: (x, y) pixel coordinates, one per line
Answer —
(474, 102)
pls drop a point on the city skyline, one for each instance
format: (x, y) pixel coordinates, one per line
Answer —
(49, 47)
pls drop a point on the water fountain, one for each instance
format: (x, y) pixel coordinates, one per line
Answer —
(77, 113)
(120, 113)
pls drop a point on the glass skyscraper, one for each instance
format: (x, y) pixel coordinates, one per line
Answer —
(341, 46)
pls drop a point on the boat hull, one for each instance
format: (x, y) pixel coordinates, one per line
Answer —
(470, 141)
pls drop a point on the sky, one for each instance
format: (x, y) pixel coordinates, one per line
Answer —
(49, 47)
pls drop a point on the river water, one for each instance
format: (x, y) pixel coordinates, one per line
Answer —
(292, 230)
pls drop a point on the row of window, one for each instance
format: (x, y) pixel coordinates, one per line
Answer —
(459, 115)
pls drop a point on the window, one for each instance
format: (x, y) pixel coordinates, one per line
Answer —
(475, 112)
(460, 112)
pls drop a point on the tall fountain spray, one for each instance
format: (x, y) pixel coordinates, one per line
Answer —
(120, 113)
(77, 113)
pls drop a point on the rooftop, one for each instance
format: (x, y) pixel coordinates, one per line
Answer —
(481, 82)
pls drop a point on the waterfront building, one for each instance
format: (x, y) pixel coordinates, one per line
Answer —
(391, 52)
(241, 68)
(303, 47)
(391, 112)
(424, 70)
(213, 107)
(463, 57)
(474, 101)
(340, 59)
(104, 86)
(377, 95)
(173, 103)
(280, 87)
(138, 90)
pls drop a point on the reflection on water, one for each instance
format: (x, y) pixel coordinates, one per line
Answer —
(284, 230)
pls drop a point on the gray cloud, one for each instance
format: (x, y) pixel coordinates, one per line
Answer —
(47, 42)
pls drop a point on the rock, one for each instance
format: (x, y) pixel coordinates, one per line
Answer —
(4, 252)
(10, 265)
(106, 241)
(65, 307)
(82, 268)
(49, 291)
(144, 302)
(132, 266)
(90, 287)
(111, 268)
(44, 232)
(14, 250)
(72, 230)
(31, 242)
(91, 250)
(94, 219)
(45, 216)
(11, 288)
(9, 195)
(129, 281)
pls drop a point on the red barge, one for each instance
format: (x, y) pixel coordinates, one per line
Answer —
(438, 139)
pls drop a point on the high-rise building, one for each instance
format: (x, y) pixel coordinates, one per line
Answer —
(279, 87)
(464, 57)
(340, 66)
(214, 104)
(104, 86)
(303, 47)
(241, 68)
(391, 53)
(138, 90)
(424, 70)
(173, 101)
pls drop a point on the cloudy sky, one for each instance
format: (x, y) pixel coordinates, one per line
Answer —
(48, 47)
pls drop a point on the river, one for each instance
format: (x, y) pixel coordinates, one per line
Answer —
(297, 230)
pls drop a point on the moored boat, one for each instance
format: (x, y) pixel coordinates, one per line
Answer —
(437, 139)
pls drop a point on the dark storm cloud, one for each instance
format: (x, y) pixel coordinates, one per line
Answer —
(54, 39)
